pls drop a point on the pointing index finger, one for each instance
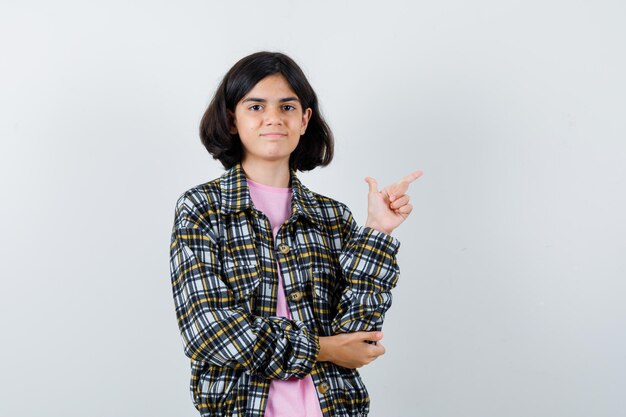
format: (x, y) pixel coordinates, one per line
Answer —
(412, 176)
(399, 188)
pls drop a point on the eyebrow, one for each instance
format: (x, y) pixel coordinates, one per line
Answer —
(262, 100)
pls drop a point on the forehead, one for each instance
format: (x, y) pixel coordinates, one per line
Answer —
(272, 86)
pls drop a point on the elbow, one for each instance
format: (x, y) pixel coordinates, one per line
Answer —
(191, 349)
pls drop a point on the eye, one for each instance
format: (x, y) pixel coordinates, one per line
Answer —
(288, 107)
(255, 107)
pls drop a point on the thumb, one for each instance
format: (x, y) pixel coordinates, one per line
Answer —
(372, 183)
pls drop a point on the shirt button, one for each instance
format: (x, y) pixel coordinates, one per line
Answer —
(295, 296)
(284, 249)
(323, 388)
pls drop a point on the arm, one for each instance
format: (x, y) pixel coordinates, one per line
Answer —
(218, 329)
(368, 257)
(370, 272)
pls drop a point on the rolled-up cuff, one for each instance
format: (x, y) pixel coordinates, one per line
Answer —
(377, 237)
(306, 343)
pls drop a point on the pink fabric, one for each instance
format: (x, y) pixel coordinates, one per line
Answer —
(293, 397)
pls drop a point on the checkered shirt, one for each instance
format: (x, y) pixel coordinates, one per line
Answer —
(337, 277)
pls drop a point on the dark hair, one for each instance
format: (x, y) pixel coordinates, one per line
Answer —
(315, 147)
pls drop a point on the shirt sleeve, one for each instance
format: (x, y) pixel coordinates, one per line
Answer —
(215, 325)
(369, 271)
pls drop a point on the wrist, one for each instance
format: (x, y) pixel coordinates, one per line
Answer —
(325, 353)
(376, 226)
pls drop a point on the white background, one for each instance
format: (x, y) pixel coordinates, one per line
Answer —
(511, 297)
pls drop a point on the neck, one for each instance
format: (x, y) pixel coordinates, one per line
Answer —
(272, 173)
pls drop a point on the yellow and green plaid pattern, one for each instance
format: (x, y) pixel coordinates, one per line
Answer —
(337, 278)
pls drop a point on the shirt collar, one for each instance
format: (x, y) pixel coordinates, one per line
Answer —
(236, 195)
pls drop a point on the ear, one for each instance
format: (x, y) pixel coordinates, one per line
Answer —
(306, 116)
(233, 126)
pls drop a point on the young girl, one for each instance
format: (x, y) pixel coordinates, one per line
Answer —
(279, 294)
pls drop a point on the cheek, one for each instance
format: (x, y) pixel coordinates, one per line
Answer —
(249, 123)
(296, 121)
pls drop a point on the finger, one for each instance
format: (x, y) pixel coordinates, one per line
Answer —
(371, 336)
(406, 209)
(398, 188)
(400, 202)
(412, 176)
(377, 350)
(372, 184)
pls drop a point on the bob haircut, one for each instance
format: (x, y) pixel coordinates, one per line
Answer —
(315, 147)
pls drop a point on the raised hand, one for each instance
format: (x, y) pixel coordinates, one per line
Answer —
(389, 207)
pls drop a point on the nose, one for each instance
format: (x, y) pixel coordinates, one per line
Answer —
(273, 116)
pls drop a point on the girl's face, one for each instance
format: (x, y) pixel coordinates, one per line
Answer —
(270, 121)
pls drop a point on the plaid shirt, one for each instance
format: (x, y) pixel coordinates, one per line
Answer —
(337, 278)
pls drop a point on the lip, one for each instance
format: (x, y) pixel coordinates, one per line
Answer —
(273, 135)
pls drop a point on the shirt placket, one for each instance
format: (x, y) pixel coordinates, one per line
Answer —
(287, 255)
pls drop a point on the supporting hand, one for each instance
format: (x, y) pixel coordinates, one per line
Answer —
(350, 350)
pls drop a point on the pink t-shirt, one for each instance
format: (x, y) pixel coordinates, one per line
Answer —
(293, 397)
